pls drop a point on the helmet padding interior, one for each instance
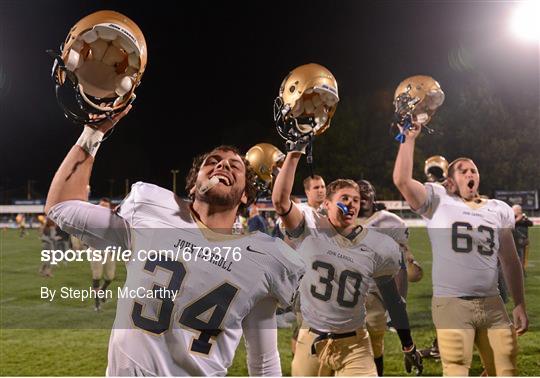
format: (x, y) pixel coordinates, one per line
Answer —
(105, 62)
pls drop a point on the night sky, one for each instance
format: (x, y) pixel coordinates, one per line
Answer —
(214, 70)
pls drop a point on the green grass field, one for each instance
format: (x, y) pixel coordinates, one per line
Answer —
(66, 337)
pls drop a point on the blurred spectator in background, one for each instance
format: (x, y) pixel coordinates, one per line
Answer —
(21, 223)
(315, 190)
(256, 221)
(521, 235)
(270, 222)
(47, 232)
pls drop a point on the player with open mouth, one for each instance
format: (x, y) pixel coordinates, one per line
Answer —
(469, 235)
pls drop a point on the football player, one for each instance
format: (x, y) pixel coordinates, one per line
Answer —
(198, 303)
(468, 234)
(21, 224)
(340, 258)
(375, 215)
(372, 215)
(315, 190)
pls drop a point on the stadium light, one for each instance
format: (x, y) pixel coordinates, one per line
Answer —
(524, 21)
(174, 173)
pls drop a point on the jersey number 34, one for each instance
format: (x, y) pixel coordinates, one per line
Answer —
(219, 298)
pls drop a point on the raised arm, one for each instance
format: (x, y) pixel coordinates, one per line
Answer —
(413, 191)
(66, 202)
(513, 275)
(290, 215)
(71, 180)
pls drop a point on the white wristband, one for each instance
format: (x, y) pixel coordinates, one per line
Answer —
(90, 140)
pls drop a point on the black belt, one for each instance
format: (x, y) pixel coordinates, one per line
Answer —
(328, 335)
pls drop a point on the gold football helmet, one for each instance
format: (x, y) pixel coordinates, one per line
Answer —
(414, 271)
(102, 59)
(436, 168)
(418, 95)
(307, 100)
(266, 160)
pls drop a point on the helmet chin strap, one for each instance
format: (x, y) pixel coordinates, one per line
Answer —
(309, 156)
(78, 118)
(289, 129)
(84, 103)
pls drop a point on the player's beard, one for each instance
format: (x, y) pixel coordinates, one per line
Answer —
(229, 200)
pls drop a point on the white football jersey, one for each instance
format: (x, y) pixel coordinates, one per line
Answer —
(389, 224)
(218, 280)
(464, 241)
(338, 271)
(304, 206)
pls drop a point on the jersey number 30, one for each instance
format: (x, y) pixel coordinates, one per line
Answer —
(327, 281)
(219, 299)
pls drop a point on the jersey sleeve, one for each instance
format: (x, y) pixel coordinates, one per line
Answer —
(434, 193)
(126, 209)
(402, 232)
(508, 219)
(260, 335)
(387, 258)
(396, 228)
(285, 278)
(94, 225)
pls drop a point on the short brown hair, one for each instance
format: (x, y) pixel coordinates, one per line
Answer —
(250, 189)
(338, 184)
(307, 181)
(453, 165)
